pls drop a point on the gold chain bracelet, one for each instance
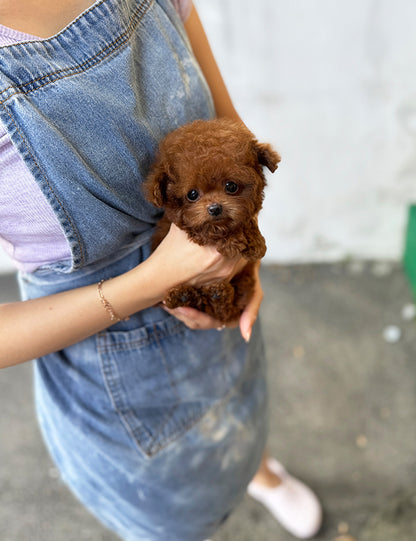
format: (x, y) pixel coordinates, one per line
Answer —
(107, 305)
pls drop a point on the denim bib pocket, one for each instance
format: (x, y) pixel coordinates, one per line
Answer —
(160, 381)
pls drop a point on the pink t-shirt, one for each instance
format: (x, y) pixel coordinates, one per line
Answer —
(29, 230)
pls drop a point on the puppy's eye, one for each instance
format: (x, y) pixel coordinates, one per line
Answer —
(192, 195)
(231, 187)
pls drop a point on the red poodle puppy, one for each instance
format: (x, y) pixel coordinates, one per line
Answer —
(208, 177)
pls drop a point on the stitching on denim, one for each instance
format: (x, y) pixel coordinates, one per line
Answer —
(94, 60)
(126, 416)
(74, 230)
(152, 450)
(114, 393)
(124, 413)
(103, 347)
(153, 444)
(109, 383)
(171, 330)
(78, 68)
(158, 337)
(180, 429)
(215, 407)
(183, 429)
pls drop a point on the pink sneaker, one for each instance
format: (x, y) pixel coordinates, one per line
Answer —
(292, 503)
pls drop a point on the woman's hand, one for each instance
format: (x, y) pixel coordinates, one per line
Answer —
(251, 311)
(178, 260)
(196, 320)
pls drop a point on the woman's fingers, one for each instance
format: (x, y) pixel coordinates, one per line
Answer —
(191, 263)
(249, 316)
(196, 320)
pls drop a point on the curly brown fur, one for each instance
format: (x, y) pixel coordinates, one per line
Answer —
(209, 178)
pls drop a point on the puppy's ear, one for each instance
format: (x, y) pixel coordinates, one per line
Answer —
(267, 156)
(156, 185)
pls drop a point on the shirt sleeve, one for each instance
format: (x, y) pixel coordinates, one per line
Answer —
(183, 7)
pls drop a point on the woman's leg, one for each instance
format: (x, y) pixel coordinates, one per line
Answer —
(265, 476)
(289, 500)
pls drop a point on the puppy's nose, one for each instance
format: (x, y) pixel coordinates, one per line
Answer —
(215, 209)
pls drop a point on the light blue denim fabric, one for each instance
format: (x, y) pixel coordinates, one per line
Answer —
(156, 428)
(87, 108)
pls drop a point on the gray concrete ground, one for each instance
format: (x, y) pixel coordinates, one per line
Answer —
(343, 409)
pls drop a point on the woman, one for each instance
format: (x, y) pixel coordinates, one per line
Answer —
(155, 419)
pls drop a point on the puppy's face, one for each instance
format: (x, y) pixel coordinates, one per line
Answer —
(213, 197)
(209, 176)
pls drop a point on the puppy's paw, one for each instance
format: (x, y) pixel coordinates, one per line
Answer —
(217, 300)
(180, 296)
(222, 292)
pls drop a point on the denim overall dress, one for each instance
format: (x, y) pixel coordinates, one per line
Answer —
(156, 428)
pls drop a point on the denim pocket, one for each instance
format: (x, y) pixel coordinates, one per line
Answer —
(161, 379)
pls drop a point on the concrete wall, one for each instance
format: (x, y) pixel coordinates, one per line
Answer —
(332, 85)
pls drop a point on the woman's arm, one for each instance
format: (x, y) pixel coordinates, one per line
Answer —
(203, 53)
(37, 327)
(224, 108)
